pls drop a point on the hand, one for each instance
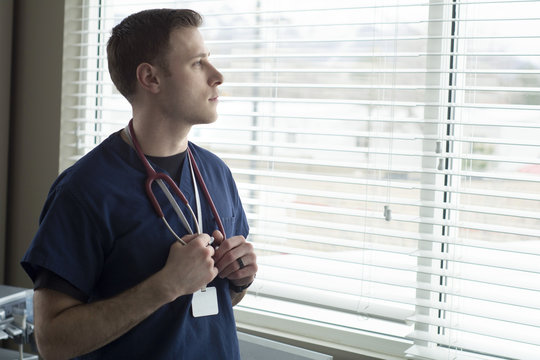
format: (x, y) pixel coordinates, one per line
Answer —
(227, 257)
(189, 267)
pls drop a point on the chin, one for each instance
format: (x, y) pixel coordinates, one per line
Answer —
(212, 119)
(208, 120)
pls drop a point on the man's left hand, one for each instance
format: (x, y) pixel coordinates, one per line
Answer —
(235, 259)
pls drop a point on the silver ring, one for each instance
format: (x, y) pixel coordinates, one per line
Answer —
(241, 263)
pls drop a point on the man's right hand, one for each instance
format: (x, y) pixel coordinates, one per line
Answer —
(189, 267)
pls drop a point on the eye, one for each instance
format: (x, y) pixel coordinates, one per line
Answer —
(198, 63)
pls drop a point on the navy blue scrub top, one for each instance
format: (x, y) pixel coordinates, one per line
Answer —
(99, 231)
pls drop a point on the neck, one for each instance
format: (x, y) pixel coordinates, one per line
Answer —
(160, 137)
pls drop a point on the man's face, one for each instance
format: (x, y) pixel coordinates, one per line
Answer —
(188, 92)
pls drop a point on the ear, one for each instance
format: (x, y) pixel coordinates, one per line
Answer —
(147, 77)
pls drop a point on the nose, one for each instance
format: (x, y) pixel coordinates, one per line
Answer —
(215, 78)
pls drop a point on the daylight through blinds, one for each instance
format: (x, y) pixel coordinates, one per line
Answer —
(387, 154)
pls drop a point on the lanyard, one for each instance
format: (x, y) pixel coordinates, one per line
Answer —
(162, 178)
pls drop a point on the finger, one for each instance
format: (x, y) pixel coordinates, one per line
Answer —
(202, 239)
(229, 245)
(225, 259)
(209, 242)
(248, 272)
(200, 250)
(231, 256)
(187, 238)
(218, 238)
(242, 266)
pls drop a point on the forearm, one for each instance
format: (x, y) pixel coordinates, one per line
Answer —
(237, 297)
(81, 328)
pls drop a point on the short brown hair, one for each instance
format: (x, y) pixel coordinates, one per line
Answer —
(143, 37)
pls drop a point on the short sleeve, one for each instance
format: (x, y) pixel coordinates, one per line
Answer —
(46, 279)
(68, 242)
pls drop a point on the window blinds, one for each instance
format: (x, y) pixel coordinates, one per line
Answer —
(387, 154)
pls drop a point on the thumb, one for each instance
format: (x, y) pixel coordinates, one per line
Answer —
(218, 238)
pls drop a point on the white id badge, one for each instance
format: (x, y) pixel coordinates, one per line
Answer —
(205, 303)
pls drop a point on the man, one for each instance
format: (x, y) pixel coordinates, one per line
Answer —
(111, 281)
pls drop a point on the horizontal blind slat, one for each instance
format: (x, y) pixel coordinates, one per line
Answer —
(529, 335)
(500, 348)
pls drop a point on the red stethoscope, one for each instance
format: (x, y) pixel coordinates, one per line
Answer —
(162, 178)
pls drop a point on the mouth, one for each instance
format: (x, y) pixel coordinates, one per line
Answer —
(215, 98)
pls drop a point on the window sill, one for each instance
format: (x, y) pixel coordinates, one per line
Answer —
(289, 326)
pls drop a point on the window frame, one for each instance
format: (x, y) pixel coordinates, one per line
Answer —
(315, 333)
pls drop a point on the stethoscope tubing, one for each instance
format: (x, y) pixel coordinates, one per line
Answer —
(207, 194)
(161, 178)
